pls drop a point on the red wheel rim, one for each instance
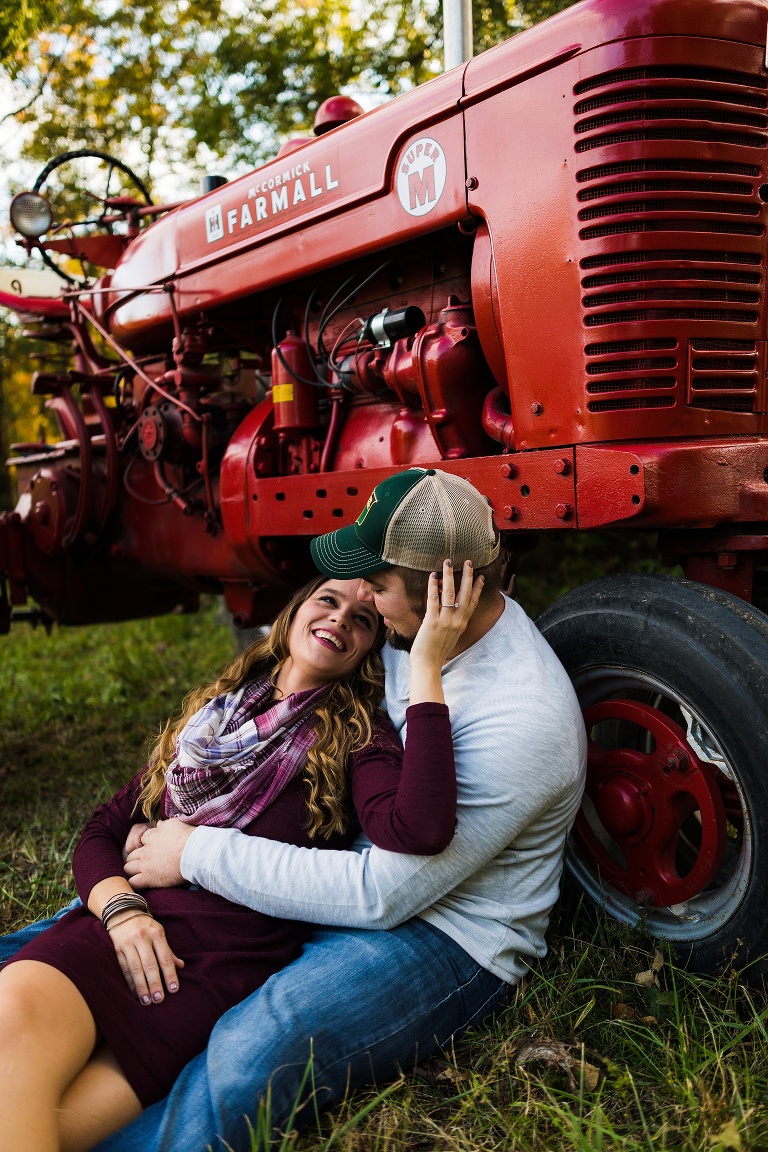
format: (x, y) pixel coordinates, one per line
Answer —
(641, 801)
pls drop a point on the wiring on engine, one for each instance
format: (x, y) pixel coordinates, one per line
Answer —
(291, 371)
(329, 315)
(343, 339)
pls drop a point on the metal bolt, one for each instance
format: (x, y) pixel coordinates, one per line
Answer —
(677, 761)
(471, 183)
(564, 511)
(645, 898)
(537, 408)
(510, 512)
(509, 471)
(562, 467)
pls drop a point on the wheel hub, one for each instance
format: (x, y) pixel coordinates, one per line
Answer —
(642, 800)
(622, 806)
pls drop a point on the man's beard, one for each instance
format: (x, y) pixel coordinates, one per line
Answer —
(398, 641)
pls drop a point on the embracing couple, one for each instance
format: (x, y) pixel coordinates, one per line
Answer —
(205, 879)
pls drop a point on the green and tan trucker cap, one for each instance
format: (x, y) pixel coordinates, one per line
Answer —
(415, 519)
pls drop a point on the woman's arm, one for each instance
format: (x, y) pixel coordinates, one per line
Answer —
(143, 953)
(414, 810)
(98, 853)
(406, 802)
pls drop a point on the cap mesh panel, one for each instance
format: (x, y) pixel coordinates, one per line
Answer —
(442, 516)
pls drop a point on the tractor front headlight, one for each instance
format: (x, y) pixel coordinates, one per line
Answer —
(31, 214)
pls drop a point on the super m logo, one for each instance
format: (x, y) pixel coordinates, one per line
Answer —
(421, 173)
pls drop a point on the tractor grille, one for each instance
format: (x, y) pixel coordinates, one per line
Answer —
(708, 210)
(616, 374)
(723, 374)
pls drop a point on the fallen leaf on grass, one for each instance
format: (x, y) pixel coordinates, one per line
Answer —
(623, 1011)
(555, 1054)
(650, 978)
(728, 1136)
(436, 1071)
(648, 1020)
(591, 1076)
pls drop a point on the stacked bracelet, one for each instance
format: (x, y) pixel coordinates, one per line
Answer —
(133, 916)
(121, 903)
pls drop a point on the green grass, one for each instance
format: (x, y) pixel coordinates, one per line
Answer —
(76, 708)
(682, 1066)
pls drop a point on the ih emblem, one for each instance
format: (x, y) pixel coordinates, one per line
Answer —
(421, 172)
(214, 223)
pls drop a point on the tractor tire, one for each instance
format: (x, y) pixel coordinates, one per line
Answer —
(673, 831)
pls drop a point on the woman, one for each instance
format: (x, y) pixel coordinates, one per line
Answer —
(277, 747)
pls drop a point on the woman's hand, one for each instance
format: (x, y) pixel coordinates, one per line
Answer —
(446, 619)
(144, 955)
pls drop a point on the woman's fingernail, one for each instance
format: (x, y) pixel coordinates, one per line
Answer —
(145, 999)
(172, 987)
(157, 997)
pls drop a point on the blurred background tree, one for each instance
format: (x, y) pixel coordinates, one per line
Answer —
(163, 82)
(22, 416)
(20, 21)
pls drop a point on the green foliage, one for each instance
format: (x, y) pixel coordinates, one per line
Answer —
(20, 21)
(178, 80)
(561, 561)
(22, 416)
(76, 709)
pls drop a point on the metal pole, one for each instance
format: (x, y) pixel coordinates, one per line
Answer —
(457, 32)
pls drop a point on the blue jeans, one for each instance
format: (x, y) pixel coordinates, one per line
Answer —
(362, 1004)
(15, 940)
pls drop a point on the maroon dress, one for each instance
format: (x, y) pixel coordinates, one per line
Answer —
(404, 802)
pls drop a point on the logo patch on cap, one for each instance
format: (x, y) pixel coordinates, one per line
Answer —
(371, 501)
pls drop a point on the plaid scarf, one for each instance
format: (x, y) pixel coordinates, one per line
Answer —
(237, 753)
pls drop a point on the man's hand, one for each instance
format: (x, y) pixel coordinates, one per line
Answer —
(133, 840)
(156, 863)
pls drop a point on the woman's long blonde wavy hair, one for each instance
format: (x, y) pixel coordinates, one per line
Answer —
(343, 721)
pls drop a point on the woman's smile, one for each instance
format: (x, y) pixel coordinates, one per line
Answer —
(326, 637)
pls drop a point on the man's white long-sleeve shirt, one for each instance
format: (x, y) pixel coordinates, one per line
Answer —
(520, 751)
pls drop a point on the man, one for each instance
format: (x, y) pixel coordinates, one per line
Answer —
(419, 946)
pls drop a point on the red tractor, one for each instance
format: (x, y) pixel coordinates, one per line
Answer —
(543, 271)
